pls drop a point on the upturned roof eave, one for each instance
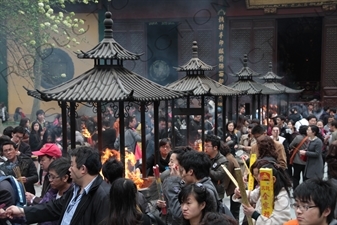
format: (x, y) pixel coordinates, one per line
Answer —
(126, 85)
(254, 87)
(270, 76)
(108, 49)
(279, 86)
(203, 85)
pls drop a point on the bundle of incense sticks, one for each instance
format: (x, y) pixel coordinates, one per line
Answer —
(242, 188)
(18, 176)
(159, 187)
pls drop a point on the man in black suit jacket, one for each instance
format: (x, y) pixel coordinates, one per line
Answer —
(17, 135)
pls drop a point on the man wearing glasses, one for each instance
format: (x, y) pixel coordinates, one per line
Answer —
(315, 202)
(87, 204)
(17, 135)
(47, 154)
(24, 163)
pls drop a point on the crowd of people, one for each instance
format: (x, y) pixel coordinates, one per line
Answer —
(77, 188)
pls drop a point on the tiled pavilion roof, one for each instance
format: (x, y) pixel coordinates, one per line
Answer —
(108, 48)
(195, 64)
(245, 81)
(110, 81)
(197, 81)
(270, 79)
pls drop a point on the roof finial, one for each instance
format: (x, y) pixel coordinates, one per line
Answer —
(245, 59)
(270, 67)
(108, 25)
(195, 50)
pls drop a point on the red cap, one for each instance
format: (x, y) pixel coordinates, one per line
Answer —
(49, 149)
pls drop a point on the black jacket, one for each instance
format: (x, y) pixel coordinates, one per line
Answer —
(35, 141)
(25, 149)
(27, 169)
(92, 209)
(162, 163)
(218, 174)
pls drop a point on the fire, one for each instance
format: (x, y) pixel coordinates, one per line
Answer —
(86, 133)
(130, 162)
(110, 153)
(198, 145)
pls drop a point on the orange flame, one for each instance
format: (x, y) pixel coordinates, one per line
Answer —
(198, 145)
(86, 133)
(130, 162)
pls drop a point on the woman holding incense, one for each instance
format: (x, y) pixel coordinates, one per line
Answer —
(281, 208)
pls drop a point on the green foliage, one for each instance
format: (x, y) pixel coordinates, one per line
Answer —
(30, 27)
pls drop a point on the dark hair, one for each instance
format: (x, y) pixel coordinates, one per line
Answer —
(334, 123)
(18, 129)
(7, 142)
(293, 110)
(215, 218)
(199, 162)
(162, 119)
(182, 149)
(224, 148)
(266, 147)
(281, 117)
(164, 141)
(128, 120)
(4, 139)
(311, 116)
(8, 131)
(282, 178)
(112, 169)
(314, 129)
(256, 121)
(17, 110)
(39, 112)
(49, 133)
(292, 123)
(258, 129)
(57, 116)
(61, 167)
(303, 129)
(333, 110)
(322, 193)
(229, 122)
(32, 127)
(88, 157)
(123, 204)
(23, 122)
(240, 122)
(201, 195)
(106, 123)
(213, 139)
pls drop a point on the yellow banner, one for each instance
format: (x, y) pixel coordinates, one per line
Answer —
(266, 191)
(251, 178)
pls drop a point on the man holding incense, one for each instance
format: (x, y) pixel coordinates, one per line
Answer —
(19, 166)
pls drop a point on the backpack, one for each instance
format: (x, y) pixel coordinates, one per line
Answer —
(20, 197)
